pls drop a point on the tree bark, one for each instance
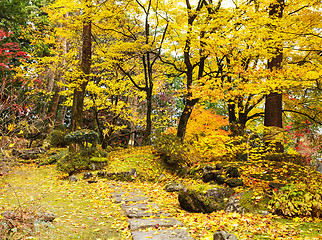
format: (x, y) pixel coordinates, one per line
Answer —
(79, 92)
(273, 104)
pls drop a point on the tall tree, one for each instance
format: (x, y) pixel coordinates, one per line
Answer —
(79, 91)
(273, 103)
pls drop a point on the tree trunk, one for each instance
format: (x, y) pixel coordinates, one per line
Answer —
(79, 93)
(273, 104)
(54, 107)
(184, 118)
(148, 127)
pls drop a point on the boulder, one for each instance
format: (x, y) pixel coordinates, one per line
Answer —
(204, 201)
(234, 182)
(222, 235)
(233, 172)
(220, 179)
(209, 176)
(174, 187)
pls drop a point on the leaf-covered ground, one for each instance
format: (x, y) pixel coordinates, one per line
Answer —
(87, 211)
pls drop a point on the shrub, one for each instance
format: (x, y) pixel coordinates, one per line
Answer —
(298, 199)
(53, 159)
(173, 152)
(83, 136)
(56, 138)
(73, 163)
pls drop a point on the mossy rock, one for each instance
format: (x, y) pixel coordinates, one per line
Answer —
(205, 201)
(253, 202)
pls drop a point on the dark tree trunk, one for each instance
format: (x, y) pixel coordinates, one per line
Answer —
(79, 93)
(148, 128)
(54, 107)
(273, 104)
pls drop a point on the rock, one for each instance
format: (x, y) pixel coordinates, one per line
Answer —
(28, 153)
(174, 187)
(87, 175)
(219, 166)
(205, 202)
(222, 235)
(168, 234)
(133, 172)
(275, 185)
(119, 176)
(234, 204)
(209, 176)
(234, 182)
(208, 168)
(136, 224)
(73, 178)
(142, 210)
(220, 179)
(233, 172)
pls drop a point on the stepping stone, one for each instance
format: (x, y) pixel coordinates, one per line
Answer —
(135, 195)
(171, 234)
(130, 199)
(136, 224)
(140, 210)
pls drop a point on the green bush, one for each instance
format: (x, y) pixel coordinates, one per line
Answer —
(56, 138)
(82, 136)
(73, 163)
(53, 159)
(298, 199)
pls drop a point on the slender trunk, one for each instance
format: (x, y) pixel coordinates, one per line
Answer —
(273, 104)
(54, 107)
(148, 127)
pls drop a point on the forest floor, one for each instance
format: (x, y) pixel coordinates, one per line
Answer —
(87, 211)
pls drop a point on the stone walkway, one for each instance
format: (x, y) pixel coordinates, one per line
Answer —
(143, 216)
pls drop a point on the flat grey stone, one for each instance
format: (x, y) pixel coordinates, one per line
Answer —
(171, 234)
(130, 199)
(135, 195)
(136, 224)
(139, 206)
(140, 210)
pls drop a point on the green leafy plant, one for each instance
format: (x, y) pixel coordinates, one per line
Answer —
(56, 138)
(298, 199)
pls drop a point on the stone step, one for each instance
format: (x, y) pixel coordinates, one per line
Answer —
(141, 210)
(136, 224)
(168, 234)
(133, 196)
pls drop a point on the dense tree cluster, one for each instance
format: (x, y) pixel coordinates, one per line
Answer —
(132, 68)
